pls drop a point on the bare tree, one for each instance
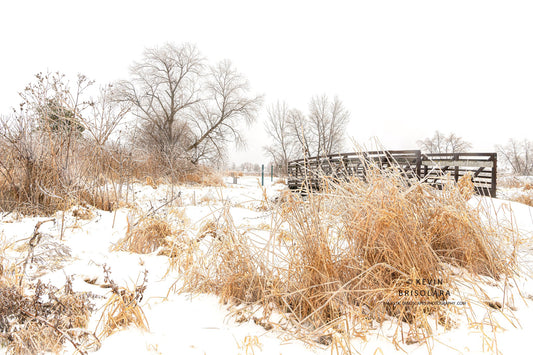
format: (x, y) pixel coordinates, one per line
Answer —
(328, 120)
(440, 143)
(456, 144)
(277, 127)
(518, 155)
(300, 133)
(187, 111)
(434, 144)
(321, 132)
(164, 87)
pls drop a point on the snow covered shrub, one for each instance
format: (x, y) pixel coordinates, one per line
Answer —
(42, 322)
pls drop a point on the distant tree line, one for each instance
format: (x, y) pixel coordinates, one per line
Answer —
(293, 134)
(515, 156)
(442, 143)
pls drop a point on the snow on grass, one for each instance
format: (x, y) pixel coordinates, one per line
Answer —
(199, 324)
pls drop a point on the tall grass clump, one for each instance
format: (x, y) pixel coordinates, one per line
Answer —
(202, 175)
(122, 309)
(355, 253)
(145, 236)
(229, 266)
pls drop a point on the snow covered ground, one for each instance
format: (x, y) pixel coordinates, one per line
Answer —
(199, 324)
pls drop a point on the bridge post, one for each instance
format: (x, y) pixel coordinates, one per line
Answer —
(456, 170)
(418, 164)
(365, 163)
(494, 176)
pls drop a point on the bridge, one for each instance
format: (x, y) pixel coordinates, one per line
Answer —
(433, 168)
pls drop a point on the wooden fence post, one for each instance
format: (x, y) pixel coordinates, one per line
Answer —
(494, 176)
(456, 169)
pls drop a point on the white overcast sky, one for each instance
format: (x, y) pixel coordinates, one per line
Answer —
(403, 68)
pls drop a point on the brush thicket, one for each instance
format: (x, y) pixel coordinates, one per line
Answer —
(46, 170)
(351, 251)
(31, 324)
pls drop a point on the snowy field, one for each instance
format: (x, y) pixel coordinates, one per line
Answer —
(79, 247)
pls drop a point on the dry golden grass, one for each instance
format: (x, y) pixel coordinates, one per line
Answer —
(100, 198)
(263, 226)
(235, 173)
(509, 181)
(150, 182)
(250, 344)
(181, 251)
(208, 199)
(466, 186)
(284, 237)
(122, 309)
(208, 228)
(525, 199)
(280, 182)
(228, 267)
(513, 181)
(525, 195)
(203, 176)
(264, 202)
(56, 172)
(17, 189)
(11, 274)
(145, 236)
(82, 212)
(355, 248)
(179, 214)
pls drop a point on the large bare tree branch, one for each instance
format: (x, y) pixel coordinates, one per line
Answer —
(226, 107)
